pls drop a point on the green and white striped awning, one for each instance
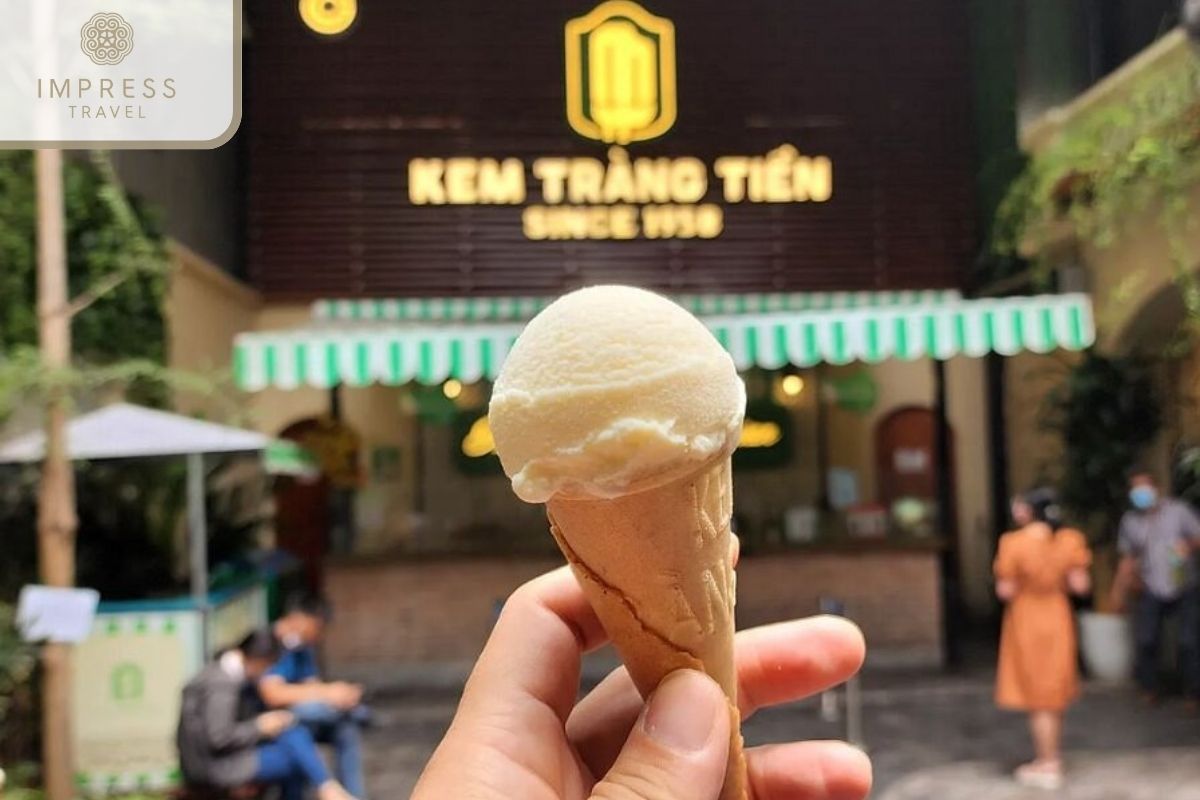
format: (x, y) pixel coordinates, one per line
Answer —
(359, 354)
(518, 309)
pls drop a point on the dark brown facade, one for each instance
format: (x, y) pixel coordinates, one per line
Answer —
(331, 125)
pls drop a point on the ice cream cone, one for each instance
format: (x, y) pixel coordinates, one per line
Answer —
(656, 567)
(620, 410)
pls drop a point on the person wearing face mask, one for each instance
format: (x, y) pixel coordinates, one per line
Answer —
(331, 710)
(1158, 541)
(220, 749)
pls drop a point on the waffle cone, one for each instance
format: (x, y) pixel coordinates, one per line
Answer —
(656, 567)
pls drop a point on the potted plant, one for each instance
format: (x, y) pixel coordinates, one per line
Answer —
(1107, 412)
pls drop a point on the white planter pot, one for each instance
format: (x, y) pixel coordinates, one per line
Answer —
(1106, 641)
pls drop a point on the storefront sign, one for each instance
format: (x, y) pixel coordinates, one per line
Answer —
(486, 97)
(620, 73)
(622, 197)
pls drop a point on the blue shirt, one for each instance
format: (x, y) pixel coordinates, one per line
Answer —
(296, 666)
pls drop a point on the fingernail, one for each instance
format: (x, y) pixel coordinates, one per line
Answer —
(682, 711)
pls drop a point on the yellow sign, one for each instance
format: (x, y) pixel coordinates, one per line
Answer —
(621, 88)
(478, 442)
(620, 197)
(620, 73)
(760, 434)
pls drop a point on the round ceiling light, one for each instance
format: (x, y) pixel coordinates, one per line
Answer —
(329, 17)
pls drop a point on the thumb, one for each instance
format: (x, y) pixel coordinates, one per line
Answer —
(679, 747)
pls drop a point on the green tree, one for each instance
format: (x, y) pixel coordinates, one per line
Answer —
(117, 265)
(116, 256)
(1108, 412)
(18, 661)
(117, 259)
(118, 269)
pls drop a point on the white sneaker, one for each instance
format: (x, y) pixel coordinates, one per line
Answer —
(1037, 776)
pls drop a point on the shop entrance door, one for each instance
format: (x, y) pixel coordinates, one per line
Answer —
(302, 513)
(317, 517)
(907, 460)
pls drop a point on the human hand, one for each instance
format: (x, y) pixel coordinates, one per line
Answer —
(344, 696)
(1006, 589)
(519, 731)
(1079, 582)
(273, 723)
(1116, 602)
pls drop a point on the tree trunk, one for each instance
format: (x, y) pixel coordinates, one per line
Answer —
(56, 496)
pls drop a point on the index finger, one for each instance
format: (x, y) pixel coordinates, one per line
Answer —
(775, 664)
(535, 649)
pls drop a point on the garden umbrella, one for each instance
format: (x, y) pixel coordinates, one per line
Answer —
(124, 430)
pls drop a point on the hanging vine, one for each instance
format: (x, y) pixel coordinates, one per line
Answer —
(1124, 158)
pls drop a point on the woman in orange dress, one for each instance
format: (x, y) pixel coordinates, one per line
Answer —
(1037, 567)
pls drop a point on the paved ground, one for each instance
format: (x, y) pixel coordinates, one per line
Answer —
(931, 738)
(1169, 774)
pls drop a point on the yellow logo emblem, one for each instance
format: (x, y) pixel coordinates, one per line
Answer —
(620, 73)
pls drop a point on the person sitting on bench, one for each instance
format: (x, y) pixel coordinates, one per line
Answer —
(221, 751)
(332, 711)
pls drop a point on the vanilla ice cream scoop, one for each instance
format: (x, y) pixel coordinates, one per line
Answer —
(612, 390)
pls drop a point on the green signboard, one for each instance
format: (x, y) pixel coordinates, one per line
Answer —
(854, 392)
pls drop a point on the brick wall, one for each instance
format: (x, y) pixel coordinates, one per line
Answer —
(427, 611)
(417, 618)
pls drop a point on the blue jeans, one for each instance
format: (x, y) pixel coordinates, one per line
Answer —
(343, 730)
(292, 761)
(1149, 617)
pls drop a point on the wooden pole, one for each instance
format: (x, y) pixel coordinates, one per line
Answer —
(56, 494)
